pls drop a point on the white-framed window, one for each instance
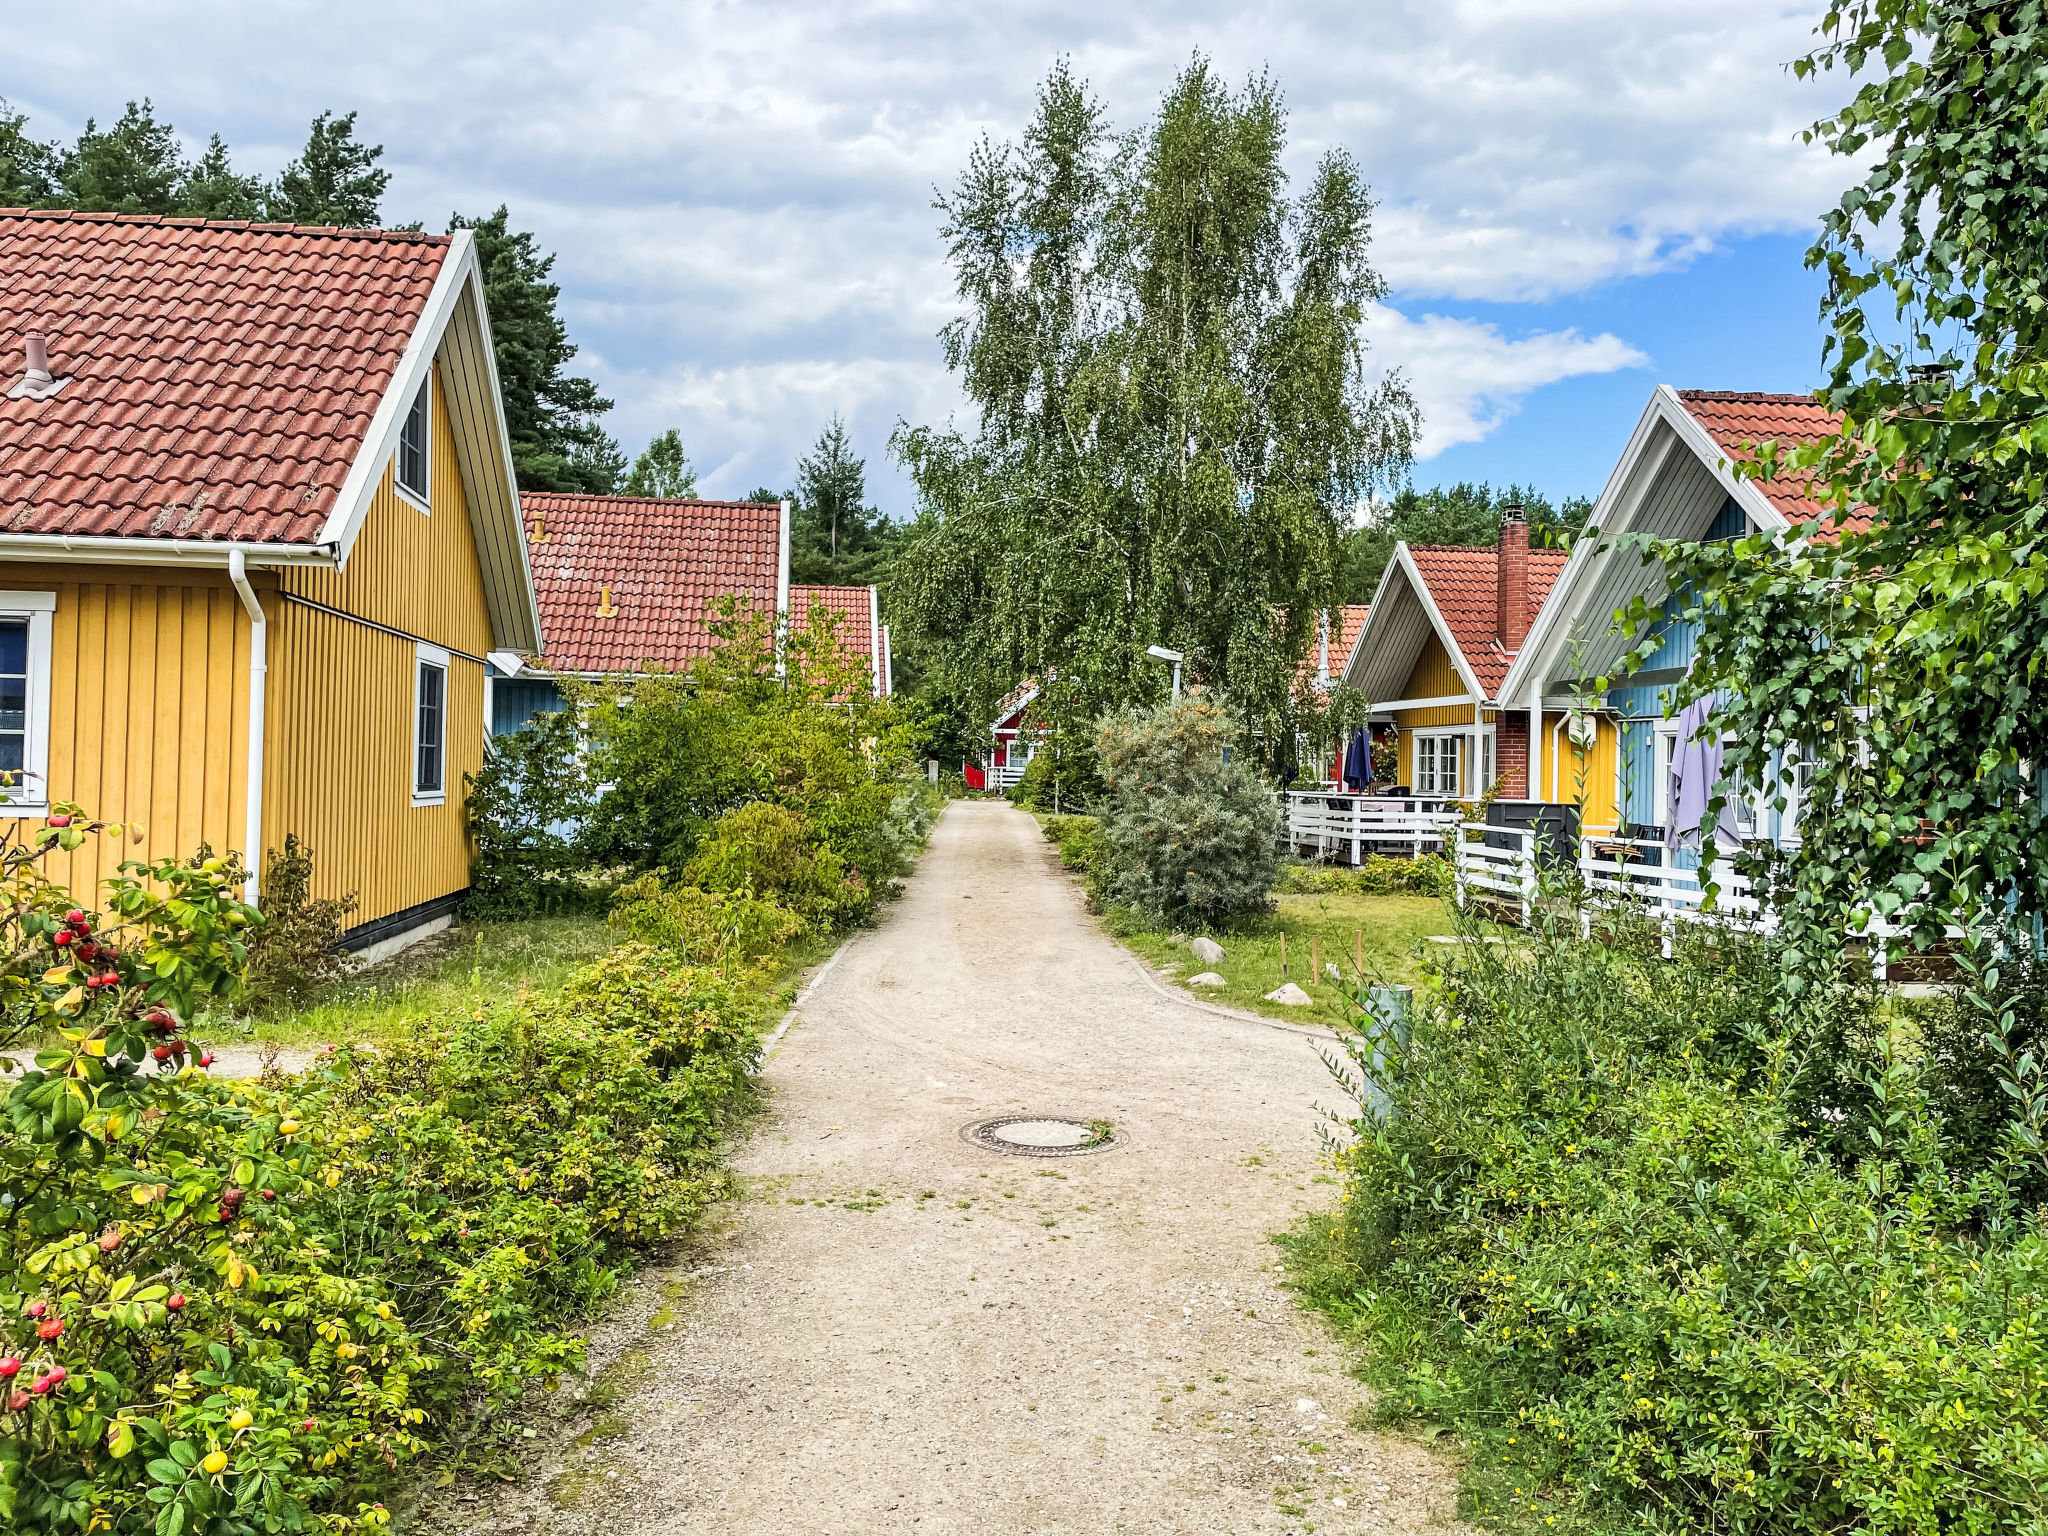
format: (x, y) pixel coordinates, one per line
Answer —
(430, 726)
(1439, 759)
(1666, 749)
(410, 467)
(25, 619)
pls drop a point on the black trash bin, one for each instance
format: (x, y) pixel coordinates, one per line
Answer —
(1557, 829)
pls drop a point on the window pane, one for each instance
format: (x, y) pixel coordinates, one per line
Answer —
(412, 446)
(427, 773)
(13, 647)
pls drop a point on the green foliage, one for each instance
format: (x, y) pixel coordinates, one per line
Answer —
(1193, 830)
(705, 927)
(213, 189)
(1464, 513)
(1430, 875)
(684, 750)
(1083, 845)
(1903, 661)
(525, 806)
(1600, 1217)
(767, 848)
(293, 953)
(336, 180)
(28, 167)
(835, 538)
(1164, 354)
(557, 442)
(238, 1306)
(662, 470)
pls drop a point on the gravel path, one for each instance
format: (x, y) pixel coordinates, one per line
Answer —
(898, 1332)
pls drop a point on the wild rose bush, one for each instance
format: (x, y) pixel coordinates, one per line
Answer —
(237, 1306)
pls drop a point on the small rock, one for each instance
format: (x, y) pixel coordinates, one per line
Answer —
(1339, 1504)
(1207, 950)
(1206, 979)
(1306, 1405)
(1288, 995)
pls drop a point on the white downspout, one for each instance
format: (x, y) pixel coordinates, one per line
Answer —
(782, 598)
(1535, 767)
(875, 636)
(259, 667)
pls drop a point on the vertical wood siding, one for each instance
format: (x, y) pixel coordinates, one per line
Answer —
(148, 709)
(340, 742)
(340, 762)
(1433, 677)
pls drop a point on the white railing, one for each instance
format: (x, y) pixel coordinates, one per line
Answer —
(1352, 825)
(1005, 777)
(1500, 861)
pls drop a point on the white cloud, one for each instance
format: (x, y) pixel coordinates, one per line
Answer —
(1468, 377)
(740, 194)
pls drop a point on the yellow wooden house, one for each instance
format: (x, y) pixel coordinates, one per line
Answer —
(259, 540)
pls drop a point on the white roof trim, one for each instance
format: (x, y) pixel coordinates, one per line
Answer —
(1406, 560)
(1614, 513)
(1015, 709)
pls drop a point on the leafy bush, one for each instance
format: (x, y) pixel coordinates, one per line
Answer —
(236, 1306)
(293, 953)
(705, 927)
(1193, 830)
(765, 849)
(1430, 875)
(1603, 1224)
(526, 807)
(1083, 845)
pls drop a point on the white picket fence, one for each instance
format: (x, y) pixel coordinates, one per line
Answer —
(1636, 872)
(1351, 826)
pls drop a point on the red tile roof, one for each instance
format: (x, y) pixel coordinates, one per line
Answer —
(1347, 621)
(1465, 584)
(663, 563)
(222, 376)
(1738, 420)
(856, 610)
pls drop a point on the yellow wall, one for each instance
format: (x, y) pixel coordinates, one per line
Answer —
(148, 708)
(1584, 777)
(1434, 676)
(339, 746)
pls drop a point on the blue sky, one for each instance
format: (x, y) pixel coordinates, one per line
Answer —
(1580, 198)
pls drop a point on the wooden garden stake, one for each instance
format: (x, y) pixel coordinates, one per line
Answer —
(1283, 957)
(1358, 950)
(1315, 957)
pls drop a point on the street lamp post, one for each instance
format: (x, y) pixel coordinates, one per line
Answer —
(1161, 653)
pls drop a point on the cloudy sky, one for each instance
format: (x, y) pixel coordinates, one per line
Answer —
(1579, 198)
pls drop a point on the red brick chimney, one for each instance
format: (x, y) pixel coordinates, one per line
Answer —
(1512, 603)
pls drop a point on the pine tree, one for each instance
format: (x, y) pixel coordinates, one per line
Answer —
(135, 166)
(663, 470)
(557, 442)
(28, 169)
(834, 538)
(210, 188)
(335, 180)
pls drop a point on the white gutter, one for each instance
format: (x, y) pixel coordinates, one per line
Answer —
(259, 667)
(143, 550)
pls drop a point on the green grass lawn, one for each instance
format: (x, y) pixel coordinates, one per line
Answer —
(471, 966)
(1394, 929)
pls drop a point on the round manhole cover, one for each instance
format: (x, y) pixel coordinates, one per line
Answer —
(1041, 1135)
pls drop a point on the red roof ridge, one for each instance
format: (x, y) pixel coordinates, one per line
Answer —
(80, 216)
(1757, 396)
(587, 498)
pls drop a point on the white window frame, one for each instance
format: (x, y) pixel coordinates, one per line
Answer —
(1664, 747)
(425, 655)
(1455, 740)
(31, 797)
(424, 403)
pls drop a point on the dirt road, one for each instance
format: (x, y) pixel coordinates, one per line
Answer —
(897, 1331)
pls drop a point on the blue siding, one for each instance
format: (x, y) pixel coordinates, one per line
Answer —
(1729, 522)
(513, 703)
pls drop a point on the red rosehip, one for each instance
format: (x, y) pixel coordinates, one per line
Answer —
(161, 1018)
(307, 1426)
(111, 979)
(232, 1196)
(60, 821)
(61, 938)
(176, 1047)
(206, 1058)
(75, 918)
(270, 1195)
(37, 1308)
(9, 1368)
(177, 1302)
(109, 1241)
(19, 1401)
(86, 950)
(51, 1328)
(161, 1053)
(52, 1379)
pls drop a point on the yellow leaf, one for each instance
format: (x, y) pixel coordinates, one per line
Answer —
(71, 999)
(236, 1274)
(141, 1194)
(56, 973)
(95, 1047)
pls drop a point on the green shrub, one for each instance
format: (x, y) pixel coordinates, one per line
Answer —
(1430, 875)
(294, 956)
(526, 807)
(1603, 1225)
(1083, 845)
(704, 927)
(765, 849)
(239, 1305)
(1193, 830)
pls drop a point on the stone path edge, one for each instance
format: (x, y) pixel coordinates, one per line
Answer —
(810, 986)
